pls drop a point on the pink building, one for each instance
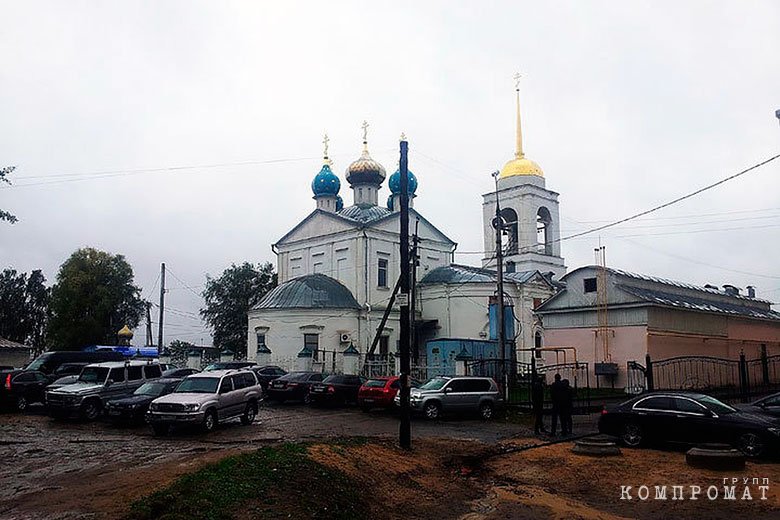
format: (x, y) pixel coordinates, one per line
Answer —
(662, 318)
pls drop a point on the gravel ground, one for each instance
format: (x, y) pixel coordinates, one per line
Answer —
(58, 468)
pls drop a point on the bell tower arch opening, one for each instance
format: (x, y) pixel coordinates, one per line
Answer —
(544, 231)
(510, 230)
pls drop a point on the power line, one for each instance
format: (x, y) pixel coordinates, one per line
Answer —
(670, 203)
(184, 284)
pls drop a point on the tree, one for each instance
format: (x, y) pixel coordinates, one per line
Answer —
(93, 298)
(24, 303)
(4, 215)
(229, 298)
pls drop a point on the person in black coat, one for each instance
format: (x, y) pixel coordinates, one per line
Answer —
(567, 403)
(557, 392)
(537, 403)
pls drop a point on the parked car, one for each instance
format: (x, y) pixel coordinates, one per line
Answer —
(688, 418)
(98, 384)
(207, 399)
(49, 362)
(20, 388)
(462, 394)
(293, 386)
(379, 392)
(336, 389)
(180, 372)
(268, 373)
(229, 365)
(133, 409)
(769, 405)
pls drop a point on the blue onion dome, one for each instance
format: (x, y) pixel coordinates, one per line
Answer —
(365, 170)
(325, 182)
(339, 203)
(390, 202)
(395, 182)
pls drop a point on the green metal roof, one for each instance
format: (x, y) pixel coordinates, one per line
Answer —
(314, 291)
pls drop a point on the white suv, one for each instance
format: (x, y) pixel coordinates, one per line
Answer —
(206, 399)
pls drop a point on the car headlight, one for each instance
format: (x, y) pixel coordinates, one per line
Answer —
(774, 431)
(191, 407)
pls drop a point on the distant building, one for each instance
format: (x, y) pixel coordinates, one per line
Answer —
(662, 318)
(14, 354)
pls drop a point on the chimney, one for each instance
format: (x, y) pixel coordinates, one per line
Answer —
(751, 291)
(731, 290)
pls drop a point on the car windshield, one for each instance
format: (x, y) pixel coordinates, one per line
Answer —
(150, 389)
(375, 383)
(198, 385)
(715, 405)
(214, 366)
(434, 384)
(38, 363)
(93, 374)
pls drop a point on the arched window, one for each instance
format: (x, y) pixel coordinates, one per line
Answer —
(510, 230)
(538, 343)
(544, 231)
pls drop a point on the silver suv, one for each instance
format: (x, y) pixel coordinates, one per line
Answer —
(460, 394)
(206, 399)
(97, 384)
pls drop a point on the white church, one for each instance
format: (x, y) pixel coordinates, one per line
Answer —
(338, 266)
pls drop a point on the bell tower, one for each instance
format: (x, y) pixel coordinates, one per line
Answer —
(530, 214)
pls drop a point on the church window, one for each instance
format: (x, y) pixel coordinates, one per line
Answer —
(589, 285)
(382, 273)
(317, 267)
(311, 342)
(544, 231)
(261, 342)
(510, 230)
(510, 267)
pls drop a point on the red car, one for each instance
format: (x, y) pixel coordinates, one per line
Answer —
(378, 392)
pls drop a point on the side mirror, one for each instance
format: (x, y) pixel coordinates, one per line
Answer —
(109, 382)
(448, 390)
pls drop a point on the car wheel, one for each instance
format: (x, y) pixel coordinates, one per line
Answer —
(210, 421)
(750, 444)
(486, 411)
(631, 435)
(432, 411)
(90, 410)
(160, 429)
(21, 403)
(249, 414)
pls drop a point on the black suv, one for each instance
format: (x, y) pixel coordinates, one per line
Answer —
(336, 389)
(293, 386)
(19, 388)
(268, 373)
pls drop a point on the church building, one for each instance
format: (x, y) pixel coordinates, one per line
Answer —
(338, 267)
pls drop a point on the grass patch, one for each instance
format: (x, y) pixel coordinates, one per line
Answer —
(273, 482)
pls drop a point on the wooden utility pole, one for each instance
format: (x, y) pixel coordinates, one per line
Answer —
(498, 223)
(162, 309)
(405, 429)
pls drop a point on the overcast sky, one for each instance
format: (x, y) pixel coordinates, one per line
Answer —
(625, 105)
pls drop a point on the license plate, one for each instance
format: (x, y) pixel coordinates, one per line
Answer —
(114, 412)
(368, 400)
(166, 417)
(318, 390)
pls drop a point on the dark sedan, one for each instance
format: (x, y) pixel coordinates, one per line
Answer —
(268, 373)
(689, 418)
(336, 389)
(769, 406)
(20, 388)
(293, 386)
(133, 409)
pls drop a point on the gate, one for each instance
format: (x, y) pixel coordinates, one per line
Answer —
(636, 378)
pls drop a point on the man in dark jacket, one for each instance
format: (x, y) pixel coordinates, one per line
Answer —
(537, 402)
(557, 392)
(567, 403)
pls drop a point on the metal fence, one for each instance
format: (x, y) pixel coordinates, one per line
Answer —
(737, 379)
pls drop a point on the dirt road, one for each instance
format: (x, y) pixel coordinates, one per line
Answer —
(55, 469)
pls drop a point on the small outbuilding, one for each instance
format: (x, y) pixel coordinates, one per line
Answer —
(14, 354)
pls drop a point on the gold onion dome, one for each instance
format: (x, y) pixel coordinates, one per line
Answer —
(519, 165)
(125, 332)
(365, 170)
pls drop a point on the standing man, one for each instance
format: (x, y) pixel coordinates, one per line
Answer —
(567, 403)
(537, 403)
(556, 394)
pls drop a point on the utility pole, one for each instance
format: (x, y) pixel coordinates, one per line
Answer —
(162, 309)
(498, 223)
(413, 299)
(405, 429)
(149, 336)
